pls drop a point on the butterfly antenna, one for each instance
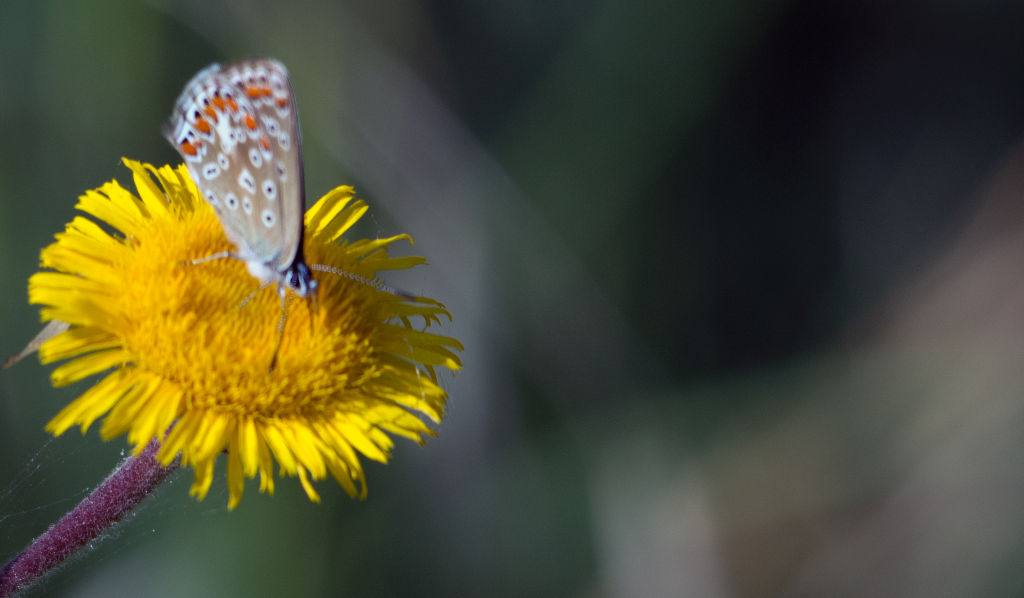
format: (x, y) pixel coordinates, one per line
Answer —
(313, 310)
(280, 332)
(370, 282)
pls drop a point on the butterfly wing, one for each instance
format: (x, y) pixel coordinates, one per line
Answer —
(236, 127)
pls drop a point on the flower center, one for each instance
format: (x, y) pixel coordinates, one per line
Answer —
(211, 330)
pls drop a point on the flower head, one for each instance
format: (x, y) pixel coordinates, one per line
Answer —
(186, 354)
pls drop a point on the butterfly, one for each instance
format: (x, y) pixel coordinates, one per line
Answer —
(237, 128)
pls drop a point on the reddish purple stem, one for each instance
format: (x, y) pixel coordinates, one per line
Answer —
(125, 488)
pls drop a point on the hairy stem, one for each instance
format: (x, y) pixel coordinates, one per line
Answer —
(122, 491)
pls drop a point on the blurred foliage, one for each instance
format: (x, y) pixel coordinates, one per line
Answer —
(737, 283)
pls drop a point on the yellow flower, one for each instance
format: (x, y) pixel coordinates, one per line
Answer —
(188, 356)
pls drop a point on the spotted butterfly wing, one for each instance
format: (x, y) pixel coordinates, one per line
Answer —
(237, 128)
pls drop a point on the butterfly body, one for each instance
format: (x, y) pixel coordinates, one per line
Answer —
(236, 127)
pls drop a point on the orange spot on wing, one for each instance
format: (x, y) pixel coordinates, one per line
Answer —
(252, 92)
(219, 103)
(233, 104)
(265, 143)
(188, 148)
(211, 113)
(203, 125)
(282, 102)
(250, 122)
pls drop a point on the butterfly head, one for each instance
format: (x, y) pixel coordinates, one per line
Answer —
(296, 277)
(299, 279)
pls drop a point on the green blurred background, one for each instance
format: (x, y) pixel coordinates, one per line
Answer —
(740, 285)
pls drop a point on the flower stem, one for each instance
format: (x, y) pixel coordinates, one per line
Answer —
(123, 489)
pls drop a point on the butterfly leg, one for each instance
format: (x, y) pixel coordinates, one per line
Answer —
(250, 296)
(216, 256)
